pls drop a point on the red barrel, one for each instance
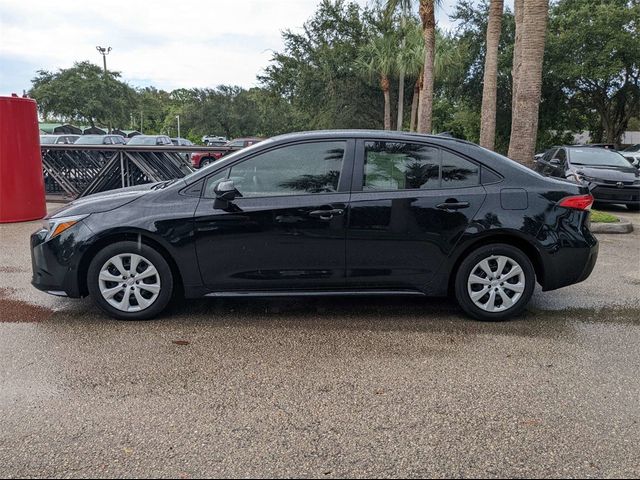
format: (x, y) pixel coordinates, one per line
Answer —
(22, 195)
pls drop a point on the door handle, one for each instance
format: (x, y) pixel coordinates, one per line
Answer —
(326, 214)
(452, 205)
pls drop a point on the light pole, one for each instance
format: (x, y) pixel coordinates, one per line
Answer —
(178, 118)
(104, 51)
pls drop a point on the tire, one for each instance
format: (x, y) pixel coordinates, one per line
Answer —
(205, 162)
(492, 306)
(634, 207)
(149, 289)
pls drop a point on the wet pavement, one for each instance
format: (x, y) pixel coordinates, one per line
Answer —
(323, 387)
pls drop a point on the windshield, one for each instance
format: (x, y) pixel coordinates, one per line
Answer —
(597, 157)
(140, 140)
(90, 140)
(47, 140)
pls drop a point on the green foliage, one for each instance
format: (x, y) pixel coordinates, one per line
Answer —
(83, 93)
(603, 217)
(593, 56)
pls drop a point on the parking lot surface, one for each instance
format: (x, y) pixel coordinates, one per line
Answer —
(323, 387)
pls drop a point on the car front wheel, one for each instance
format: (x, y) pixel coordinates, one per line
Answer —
(495, 282)
(130, 281)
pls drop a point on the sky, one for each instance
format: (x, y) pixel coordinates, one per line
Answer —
(167, 44)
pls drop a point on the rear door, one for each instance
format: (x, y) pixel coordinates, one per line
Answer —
(411, 203)
(288, 230)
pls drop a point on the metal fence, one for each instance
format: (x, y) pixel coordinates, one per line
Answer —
(79, 170)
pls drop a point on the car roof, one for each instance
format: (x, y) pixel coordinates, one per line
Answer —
(376, 134)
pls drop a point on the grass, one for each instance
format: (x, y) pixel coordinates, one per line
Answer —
(602, 217)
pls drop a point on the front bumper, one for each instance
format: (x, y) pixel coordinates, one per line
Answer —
(611, 194)
(55, 262)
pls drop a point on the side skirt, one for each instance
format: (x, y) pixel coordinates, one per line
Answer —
(317, 293)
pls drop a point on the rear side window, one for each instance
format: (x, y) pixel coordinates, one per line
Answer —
(458, 172)
(400, 166)
(408, 166)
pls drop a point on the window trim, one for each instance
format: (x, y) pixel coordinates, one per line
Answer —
(357, 184)
(345, 175)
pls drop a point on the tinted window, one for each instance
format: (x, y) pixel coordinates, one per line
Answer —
(293, 170)
(400, 166)
(561, 155)
(458, 172)
(214, 180)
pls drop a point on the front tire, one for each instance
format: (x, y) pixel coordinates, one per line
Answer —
(130, 281)
(205, 162)
(495, 282)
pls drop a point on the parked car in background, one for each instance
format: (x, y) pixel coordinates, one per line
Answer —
(202, 159)
(632, 154)
(212, 140)
(606, 173)
(326, 213)
(100, 140)
(150, 140)
(182, 142)
(58, 139)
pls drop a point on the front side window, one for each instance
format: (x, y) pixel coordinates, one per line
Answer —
(400, 166)
(301, 169)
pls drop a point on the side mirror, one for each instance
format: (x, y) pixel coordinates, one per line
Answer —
(226, 190)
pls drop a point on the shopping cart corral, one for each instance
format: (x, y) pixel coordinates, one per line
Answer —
(73, 171)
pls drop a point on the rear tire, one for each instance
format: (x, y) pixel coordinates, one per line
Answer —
(130, 281)
(495, 282)
(205, 162)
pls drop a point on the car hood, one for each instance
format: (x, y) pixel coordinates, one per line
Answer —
(105, 201)
(614, 174)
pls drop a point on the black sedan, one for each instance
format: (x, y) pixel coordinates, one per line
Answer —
(606, 173)
(326, 213)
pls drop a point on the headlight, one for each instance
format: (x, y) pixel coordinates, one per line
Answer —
(55, 226)
(584, 178)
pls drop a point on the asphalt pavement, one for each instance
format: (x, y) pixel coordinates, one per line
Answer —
(323, 387)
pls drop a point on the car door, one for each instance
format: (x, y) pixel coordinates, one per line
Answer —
(410, 204)
(288, 229)
(541, 165)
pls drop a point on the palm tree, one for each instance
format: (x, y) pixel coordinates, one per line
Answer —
(524, 123)
(405, 13)
(378, 58)
(518, 11)
(428, 18)
(490, 87)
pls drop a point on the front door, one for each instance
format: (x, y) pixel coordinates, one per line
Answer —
(287, 231)
(410, 205)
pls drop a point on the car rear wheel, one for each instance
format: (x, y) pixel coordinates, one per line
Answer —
(495, 282)
(205, 162)
(130, 281)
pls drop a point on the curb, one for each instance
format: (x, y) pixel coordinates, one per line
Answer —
(623, 226)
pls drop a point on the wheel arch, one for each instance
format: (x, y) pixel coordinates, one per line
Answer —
(507, 238)
(119, 236)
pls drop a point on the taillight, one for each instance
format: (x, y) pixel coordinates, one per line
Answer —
(577, 202)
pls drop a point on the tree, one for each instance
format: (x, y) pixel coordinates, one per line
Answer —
(428, 18)
(84, 93)
(315, 71)
(378, 58)
(524, 120)
(490, 87)
(601, 74)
